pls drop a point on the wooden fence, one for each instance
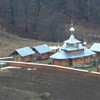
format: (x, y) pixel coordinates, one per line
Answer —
(53, 67)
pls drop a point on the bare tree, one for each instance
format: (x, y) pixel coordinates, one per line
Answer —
(36, 15)
(26, 18)
(26, 9)
(89, 9)
(12, 16)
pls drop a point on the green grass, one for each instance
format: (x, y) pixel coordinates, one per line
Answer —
(89, 68)
(48, 61)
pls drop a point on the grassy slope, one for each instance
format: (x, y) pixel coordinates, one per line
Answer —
(10, 42)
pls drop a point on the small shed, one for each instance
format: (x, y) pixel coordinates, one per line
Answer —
(42, 51)
(96, 48)
(54, 48)
(23, 54)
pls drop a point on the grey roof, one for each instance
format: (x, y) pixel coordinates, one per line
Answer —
(71, 48)
(59, 55)
(63, 55)
(95, 47)
(26, 51)
(72, 40)
(89, 52)
(42, 49)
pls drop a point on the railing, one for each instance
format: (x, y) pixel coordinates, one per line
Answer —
(7, 59)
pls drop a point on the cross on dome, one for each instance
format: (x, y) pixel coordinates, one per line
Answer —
(72, 39)
(84, 43)
(72, 29)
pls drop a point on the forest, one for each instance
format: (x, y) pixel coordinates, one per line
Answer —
(47, 19)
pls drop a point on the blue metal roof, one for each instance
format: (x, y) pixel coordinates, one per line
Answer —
(63, 55)
(42, 49)
(59, 55)
(95, 47)
(71, 48)
(89, 52)
(26, 51)
(72, 40)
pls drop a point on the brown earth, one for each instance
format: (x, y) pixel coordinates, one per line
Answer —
(21, 84)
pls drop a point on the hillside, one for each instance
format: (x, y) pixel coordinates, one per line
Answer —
(9, 42)
(26, 23)
(47, 19)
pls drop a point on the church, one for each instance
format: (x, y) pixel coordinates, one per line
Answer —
(72, 52)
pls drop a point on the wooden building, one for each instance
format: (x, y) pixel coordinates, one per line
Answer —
(72, 52)
(42, 51)
(96, 48)
(23, 54)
